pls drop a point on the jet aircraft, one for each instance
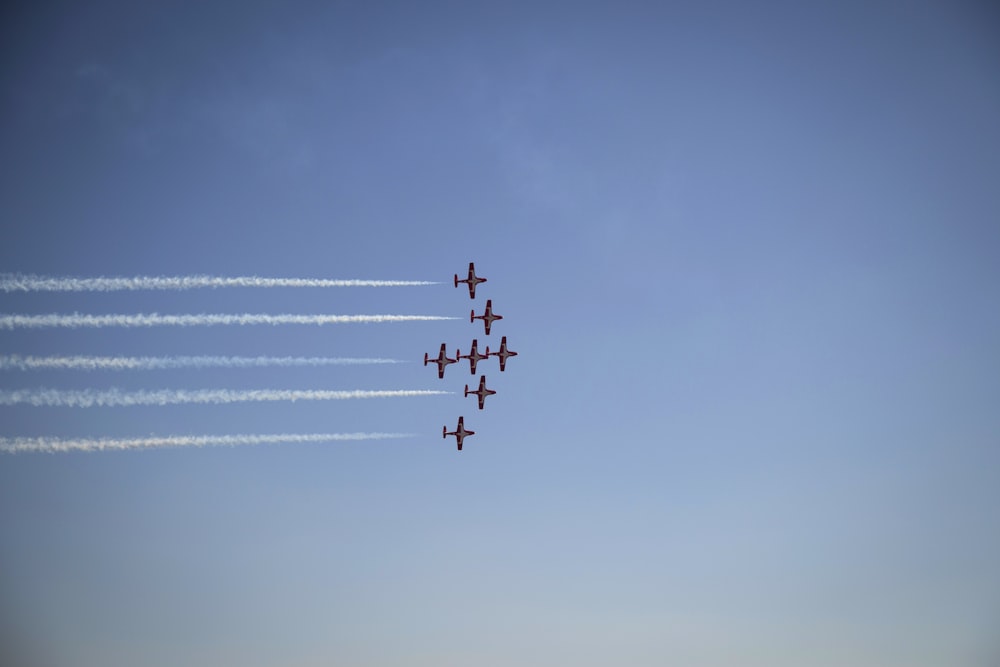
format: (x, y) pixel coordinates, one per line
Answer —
(474, 357)
(472, 280)
(487, 317)
(503, 354)
(441, 361)
(482, 392)
(460, 433)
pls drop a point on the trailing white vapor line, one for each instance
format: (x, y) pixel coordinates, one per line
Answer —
(81, 363)
(32, 283)
(54, 445)
(88, 398)
(77, 320)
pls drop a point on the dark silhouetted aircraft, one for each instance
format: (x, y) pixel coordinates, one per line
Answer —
(474, 357)
(482, 392)
(441, 361)
(460, 433)
(472, 280)
(504, 353)
(487, 317)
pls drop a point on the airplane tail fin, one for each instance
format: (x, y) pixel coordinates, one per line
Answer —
(425, 358)
(456, 280)
(472, 316)
(487, 350)
(466, 390)
(444, 431)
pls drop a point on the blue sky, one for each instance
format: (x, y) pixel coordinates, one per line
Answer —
(747, 254)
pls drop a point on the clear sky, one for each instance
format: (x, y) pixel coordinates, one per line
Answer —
(749, 254)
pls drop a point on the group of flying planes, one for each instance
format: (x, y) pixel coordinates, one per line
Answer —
(474, 356)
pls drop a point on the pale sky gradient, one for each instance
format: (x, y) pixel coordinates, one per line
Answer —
(748, 253)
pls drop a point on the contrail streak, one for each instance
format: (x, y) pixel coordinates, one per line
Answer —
(77, 320)
(82, 363)
(32, 283)
(87, 398)
(54, 445)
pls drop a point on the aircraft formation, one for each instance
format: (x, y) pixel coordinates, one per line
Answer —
(474, 356)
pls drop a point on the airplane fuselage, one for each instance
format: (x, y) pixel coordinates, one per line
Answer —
(474, 357)
(482, 392)
(503, 354)
(472, 280)
(487, 317)
(441, 361)
(460, 433)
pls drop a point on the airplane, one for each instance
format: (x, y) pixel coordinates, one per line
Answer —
(460, 433)
(487, 317)
(482, 393)
(502, 354)
(472, 280)
(474, 357)
(441, 361)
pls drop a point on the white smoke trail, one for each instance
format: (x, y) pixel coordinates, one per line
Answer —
(87, 398)
(81, 363)
(32, 283)
(54, 445)
(76, 320)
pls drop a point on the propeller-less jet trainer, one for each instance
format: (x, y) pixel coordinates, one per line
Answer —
(487, 317)
(503, 354)
(460, 433)
(441, 361)
(474, 357)
(472, 280)
(482, 392)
